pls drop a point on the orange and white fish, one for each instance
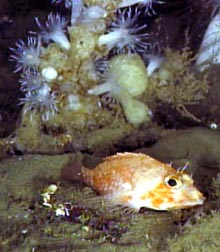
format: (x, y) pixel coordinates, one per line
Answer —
(138, 180)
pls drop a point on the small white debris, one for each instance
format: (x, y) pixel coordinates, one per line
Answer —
(24, 231)
(46, 195)
(52, 189)
(49, 73)
(46, 204)
(60, 211)
(73, 103)
(213, 126)
(85, 228)
(94, 12)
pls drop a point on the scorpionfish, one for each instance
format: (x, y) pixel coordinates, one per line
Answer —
(137, 180)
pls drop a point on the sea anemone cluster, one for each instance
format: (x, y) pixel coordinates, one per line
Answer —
(51, 59)
(97, 68)
(38, 96)
(35, 80)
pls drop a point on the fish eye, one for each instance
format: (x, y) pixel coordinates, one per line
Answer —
(173, 182)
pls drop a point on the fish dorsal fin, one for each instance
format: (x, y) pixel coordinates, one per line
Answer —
(120, 155)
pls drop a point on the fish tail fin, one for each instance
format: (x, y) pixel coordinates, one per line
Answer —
(76, 168)
(72, 170)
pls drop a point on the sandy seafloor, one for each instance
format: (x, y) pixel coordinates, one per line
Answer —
(28, 225)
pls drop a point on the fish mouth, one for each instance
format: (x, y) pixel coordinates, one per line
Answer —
(195, 198)
(188, 204)
(191, 204)
(196, 203)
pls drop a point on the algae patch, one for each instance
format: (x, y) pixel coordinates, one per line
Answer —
(32, 226)
(203, 236)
